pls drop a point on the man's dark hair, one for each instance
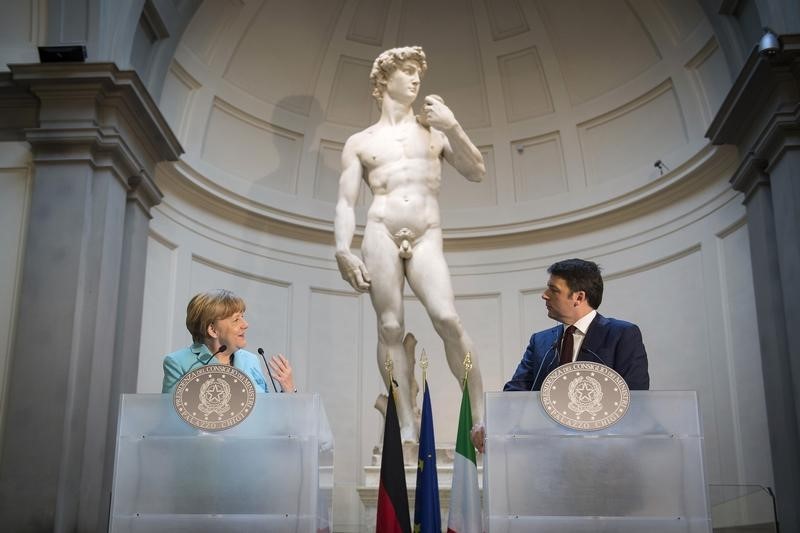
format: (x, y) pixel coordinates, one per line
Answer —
(581, 275)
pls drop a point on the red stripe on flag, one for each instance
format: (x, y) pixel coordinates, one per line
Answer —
(393, 515)
(387, 517)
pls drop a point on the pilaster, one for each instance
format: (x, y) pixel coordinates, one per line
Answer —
(761, 116)
(96, 140)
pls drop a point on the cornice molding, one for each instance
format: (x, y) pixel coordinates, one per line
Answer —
(765, 87)
(193, 188)
(97, 113)
(708, 166)
(108, 84)
(144, 193)
(509, 220)
(18, 109)
(751, 174)
(761, 114)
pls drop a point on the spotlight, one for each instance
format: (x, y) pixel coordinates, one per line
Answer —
(769, 45)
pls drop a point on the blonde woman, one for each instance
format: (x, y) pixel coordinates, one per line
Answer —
(216, 321)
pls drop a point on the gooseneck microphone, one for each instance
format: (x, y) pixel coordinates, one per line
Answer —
(261, 353)
(554, 349)
(213, 355)
(600, 359)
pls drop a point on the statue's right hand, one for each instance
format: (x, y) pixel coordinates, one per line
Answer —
(353, 271)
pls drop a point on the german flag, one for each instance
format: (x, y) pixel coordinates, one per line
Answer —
(393, 515)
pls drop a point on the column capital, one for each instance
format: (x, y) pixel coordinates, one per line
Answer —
(761, 108)
(97, 113)
(761, 114)
(751, 174)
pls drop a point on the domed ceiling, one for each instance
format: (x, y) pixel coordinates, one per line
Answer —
(571, 102)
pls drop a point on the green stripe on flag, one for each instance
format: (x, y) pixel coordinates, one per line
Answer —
(464, 445)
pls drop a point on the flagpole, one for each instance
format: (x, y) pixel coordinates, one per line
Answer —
(427, 508)
(423, 362)
(467, 368)
(388, 365)
(465, 502)
(392, 509)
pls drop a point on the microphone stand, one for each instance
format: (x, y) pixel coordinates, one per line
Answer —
(213, 355)
(261, 353)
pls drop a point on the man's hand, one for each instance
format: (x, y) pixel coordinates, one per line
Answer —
(438, 115)
(353, 271)
(477, 435)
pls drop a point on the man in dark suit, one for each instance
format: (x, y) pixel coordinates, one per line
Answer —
(574, 292)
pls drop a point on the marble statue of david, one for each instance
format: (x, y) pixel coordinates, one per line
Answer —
(400, 158)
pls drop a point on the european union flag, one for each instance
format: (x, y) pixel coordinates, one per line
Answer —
(427, 515)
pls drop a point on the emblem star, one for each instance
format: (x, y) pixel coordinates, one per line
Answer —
(215, 393)
(585, 391)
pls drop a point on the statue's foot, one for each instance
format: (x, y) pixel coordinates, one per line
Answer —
(408, 434)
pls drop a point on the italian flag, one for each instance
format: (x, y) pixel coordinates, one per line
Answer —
(465, 500)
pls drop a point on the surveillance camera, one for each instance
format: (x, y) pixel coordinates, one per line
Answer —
(769, 45)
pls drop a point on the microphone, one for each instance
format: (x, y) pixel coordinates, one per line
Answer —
(261, 353)
(553, 349)
(213, 355)
(595, 355)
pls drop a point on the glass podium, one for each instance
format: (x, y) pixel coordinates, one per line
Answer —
(644, 473)
(271, 472)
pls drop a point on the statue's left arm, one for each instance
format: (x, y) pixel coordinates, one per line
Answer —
(458, 150)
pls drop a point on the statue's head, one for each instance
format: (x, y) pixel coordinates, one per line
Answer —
(388, 62)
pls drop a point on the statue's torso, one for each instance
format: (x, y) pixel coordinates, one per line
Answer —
(402, 166)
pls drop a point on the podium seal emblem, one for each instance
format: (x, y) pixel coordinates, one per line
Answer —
(214, 397)
(585, 396)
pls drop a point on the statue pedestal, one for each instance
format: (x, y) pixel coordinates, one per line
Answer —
(444, 470)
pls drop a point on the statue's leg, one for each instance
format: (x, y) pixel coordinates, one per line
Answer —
(388, 277)
(429, 278)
